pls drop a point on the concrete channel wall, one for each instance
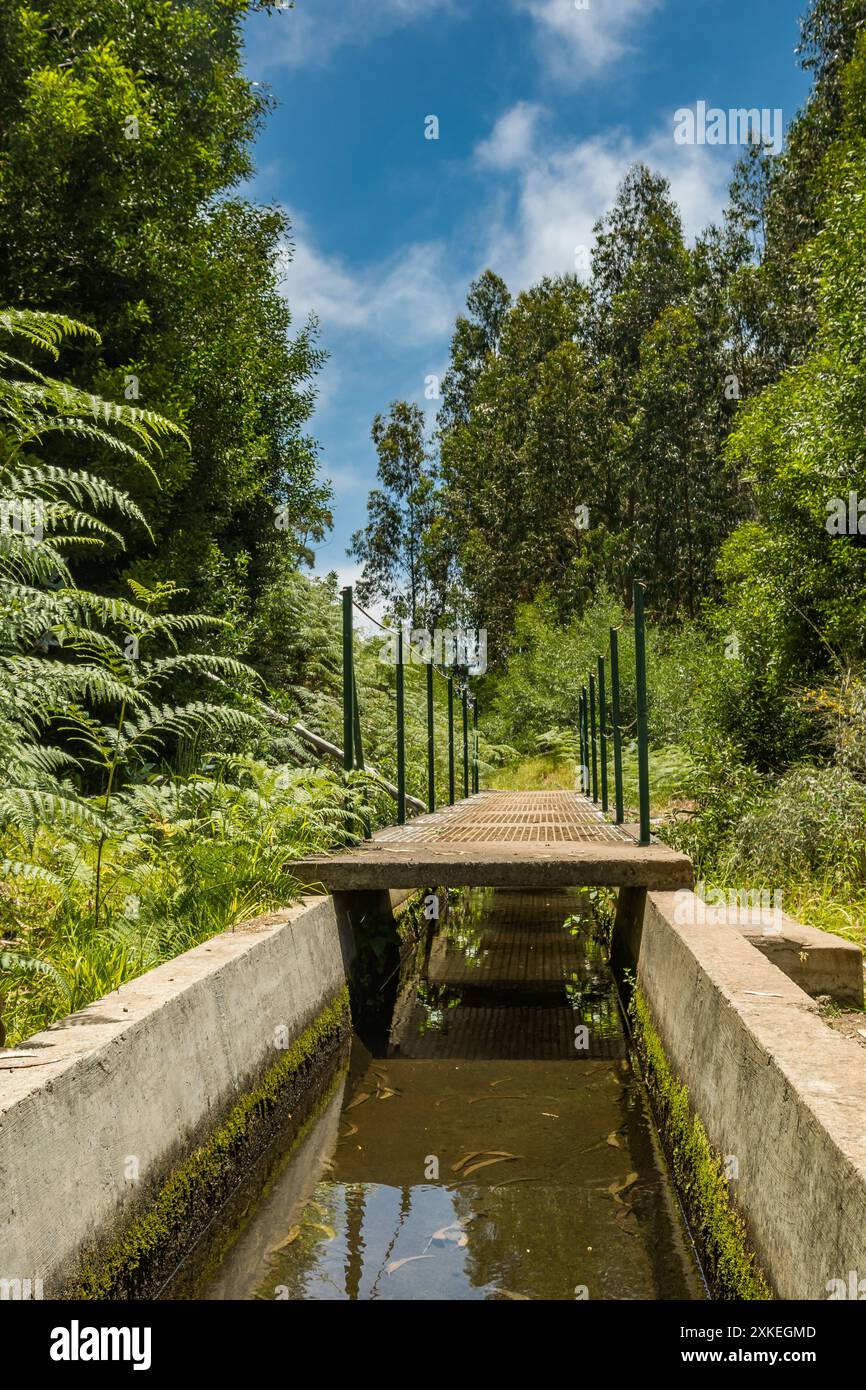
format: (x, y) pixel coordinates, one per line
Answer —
(98, 1109)
(777, 1089)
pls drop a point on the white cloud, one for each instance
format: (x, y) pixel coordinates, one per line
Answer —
(310, 33)
(557, 193)
(512, 137)
(408, 298)
(577, 43)
(348, 573)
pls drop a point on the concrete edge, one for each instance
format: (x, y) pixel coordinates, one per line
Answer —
(108, 1102)
(777, 1090)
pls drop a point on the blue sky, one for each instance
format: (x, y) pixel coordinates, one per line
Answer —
(541, 107)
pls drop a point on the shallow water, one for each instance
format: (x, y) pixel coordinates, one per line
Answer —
(499, 1146)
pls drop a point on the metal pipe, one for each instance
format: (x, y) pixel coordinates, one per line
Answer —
(592, 737)
(465, 703)
(450, 740)
(401, 733)
(642, 714)
(431, 761)
(602, 732)
(615, 720)
(348, 668)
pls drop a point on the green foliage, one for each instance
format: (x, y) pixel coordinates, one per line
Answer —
(719, 790)
(135, 816)
(795, 590)
(811, 825)
(549, 663)
(581, 428)
(126, 131)
(546, 772)
(401, 512)
(534, 703)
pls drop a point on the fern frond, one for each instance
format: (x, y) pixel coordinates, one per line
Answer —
(43, 329)
(32, 807)
(31, 873)
(15, 963)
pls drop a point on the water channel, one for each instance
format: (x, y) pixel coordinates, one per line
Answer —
(496, 1142)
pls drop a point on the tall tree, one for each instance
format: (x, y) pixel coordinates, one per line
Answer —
(125, 130)
(401, 511)
(476, 337)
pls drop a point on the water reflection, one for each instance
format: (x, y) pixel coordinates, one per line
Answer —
(484, 1154)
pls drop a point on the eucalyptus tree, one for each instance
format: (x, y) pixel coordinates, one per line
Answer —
(400, 511)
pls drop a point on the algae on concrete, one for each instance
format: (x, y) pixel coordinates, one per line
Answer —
(699, 1173)
(201, 1179)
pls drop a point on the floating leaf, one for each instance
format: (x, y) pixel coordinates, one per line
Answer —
(455, 1167)
(386, 1094)
(480, 1153)
(517, 1297)
(294, 1232)
(616, 1188)
(448, 1233)
(627, 1221)
(398, 1264)
(326, 1230)
(475, 1099)
(486, 1162)
(359, 1100)
(353, 1129)
(614, 1141)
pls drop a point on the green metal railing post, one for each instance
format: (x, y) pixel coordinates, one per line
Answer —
(580, 738)
(584, 740)
(348, 680)
(615, 717)
(359, 753)
(356, 727)
(401, 745)
(450, 740)
(475, 746)
(592, 737)
(431, 763)
(602, 732)
(642, 720)
(465, 742)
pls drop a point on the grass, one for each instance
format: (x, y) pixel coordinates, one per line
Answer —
(546, 772)
(827, 905)
(543, 772)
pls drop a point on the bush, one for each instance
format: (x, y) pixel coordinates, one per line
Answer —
(812, 823)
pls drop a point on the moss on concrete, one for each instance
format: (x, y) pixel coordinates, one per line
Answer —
(699, 1173)
(200, 1185)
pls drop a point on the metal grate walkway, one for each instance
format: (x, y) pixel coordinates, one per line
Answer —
(509, 817)
(502, 840)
